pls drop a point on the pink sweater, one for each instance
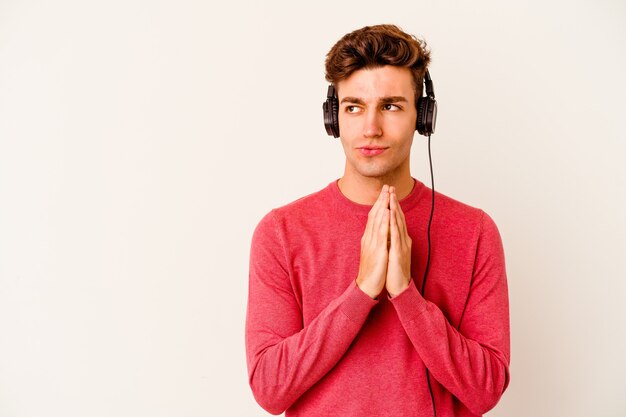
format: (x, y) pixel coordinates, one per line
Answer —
(318, 346)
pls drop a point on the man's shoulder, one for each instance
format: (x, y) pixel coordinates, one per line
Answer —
(456, 207)
(456, 214)
(305, 207)
(308, 202)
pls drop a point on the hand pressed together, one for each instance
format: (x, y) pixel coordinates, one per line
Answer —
(385, 248)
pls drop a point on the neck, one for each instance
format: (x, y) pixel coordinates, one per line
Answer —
(365, 190)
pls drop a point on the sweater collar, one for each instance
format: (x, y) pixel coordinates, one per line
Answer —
(407, 203)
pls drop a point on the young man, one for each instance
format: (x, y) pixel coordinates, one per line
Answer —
(337, 324)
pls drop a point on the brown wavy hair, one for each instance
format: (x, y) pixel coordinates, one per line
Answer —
(376, 46)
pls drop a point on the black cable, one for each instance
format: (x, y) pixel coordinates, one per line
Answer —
(432, 210)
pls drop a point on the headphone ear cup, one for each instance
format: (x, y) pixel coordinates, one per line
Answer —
(419, 123)
(328, 117)
(331, 113)
(335, 110)
(426, 115)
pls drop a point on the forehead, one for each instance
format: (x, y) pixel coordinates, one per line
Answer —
(373, 83)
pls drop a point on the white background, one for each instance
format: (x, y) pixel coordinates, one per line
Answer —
(142, 141)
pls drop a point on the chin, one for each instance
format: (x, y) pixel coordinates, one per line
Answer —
(374, 172)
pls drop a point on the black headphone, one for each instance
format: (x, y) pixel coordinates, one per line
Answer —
(426, 110)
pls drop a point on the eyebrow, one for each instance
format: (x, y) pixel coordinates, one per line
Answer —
(382, 100)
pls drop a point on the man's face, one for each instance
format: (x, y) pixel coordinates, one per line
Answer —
(377, 110)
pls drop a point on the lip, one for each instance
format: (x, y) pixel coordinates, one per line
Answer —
(371, 151)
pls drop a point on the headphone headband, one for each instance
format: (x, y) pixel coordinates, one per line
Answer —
(430, 91)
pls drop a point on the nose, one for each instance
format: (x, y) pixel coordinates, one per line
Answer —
(373, 127)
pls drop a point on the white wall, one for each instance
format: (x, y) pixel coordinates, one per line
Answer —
(141, 142)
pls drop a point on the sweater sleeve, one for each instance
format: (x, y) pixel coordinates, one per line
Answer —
(473, 361)
(285, 358)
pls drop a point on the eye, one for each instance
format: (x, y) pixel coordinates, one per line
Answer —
(391, 107)
(352, 109)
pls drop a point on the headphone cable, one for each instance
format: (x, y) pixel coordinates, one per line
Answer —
(432, 211)
(430, 220)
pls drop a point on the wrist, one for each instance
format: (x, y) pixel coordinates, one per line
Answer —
(394, 292)
(373, 294)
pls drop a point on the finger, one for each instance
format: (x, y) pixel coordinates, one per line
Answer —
(402, 226)
(398, 219)
(384, 232)
(382, 223)
(374, 212)
(393, 226)
(401, 220)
